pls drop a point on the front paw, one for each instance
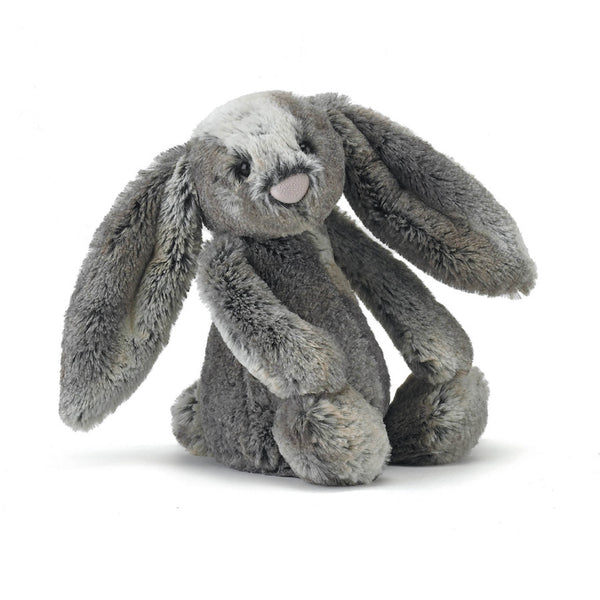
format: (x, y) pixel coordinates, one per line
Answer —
(332, 439)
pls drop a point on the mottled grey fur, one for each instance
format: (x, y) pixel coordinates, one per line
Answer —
(332, 439)
(428, 208)
(431, 424)
(289, 355)
(129, 292)
(431, 341)
(297, 335)
(293, 381)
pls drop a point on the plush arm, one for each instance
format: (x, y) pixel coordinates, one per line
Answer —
(431, 341)
(284, 352)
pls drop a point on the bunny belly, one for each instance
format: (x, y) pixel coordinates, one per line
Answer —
(301, 273)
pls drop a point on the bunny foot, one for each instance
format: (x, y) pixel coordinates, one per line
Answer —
(436, 424)
(186, 423)
(332, 439)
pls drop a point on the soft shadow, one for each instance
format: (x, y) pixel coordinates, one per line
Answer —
(487, 456)
(175, 457)
(492, 452)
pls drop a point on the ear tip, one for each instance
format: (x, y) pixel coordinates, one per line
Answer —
(529, 279)
(520, 285)
(81, 411)
(73, 419)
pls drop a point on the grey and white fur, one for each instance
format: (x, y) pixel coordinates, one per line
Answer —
(294, 382)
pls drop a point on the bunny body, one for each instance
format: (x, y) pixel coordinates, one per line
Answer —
(232, 407)
(293, 381)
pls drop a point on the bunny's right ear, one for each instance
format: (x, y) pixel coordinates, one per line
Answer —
(139, 268)
(425, 206)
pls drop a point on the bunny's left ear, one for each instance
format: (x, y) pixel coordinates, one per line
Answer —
(426, 207)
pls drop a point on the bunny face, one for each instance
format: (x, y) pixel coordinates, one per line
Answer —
(267, 165)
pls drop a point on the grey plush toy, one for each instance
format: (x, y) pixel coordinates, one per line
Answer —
(293, 381)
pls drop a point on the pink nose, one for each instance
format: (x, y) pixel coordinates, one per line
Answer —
(292, 189)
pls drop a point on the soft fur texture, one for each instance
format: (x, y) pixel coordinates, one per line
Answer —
(130, 289)
(293, 381)
(333, 440)
(437, 424)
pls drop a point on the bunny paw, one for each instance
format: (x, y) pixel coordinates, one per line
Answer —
(186, 423)
(332, 439)
(436, 424)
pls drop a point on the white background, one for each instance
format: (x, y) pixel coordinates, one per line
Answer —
(90, 94)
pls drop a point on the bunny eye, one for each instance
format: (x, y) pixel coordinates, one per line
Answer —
(242, 169)
(306, 147)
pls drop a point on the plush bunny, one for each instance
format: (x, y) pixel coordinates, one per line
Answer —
(293, 381)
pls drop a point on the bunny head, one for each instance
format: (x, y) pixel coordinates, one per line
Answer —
(269, 165)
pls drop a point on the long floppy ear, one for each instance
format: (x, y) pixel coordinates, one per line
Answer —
(425, 206)
(130, 289)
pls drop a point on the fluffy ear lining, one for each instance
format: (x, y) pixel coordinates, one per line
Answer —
(428, 208)
(130, 289)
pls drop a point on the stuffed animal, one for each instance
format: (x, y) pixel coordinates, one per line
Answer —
(294, 382)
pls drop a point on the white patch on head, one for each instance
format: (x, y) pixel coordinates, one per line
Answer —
(240, 123)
